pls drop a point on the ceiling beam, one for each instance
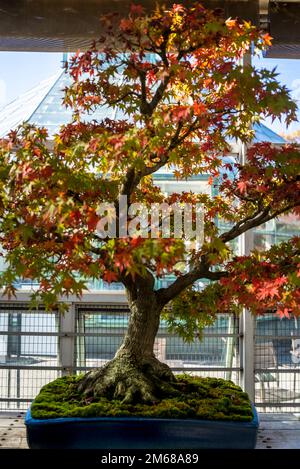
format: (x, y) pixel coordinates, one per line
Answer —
(284, 27)
(67, 25)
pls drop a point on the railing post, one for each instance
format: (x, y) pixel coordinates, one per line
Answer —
(80, 340)
(247, 322)
(66, 343)
(247, 354)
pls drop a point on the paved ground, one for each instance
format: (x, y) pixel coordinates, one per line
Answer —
(12, 430)
(277, 431)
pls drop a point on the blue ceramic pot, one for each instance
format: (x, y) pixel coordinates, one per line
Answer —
(139, 433)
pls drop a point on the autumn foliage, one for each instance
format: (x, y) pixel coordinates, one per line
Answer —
(181, 94)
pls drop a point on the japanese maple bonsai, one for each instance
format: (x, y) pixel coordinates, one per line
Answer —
(181, 93)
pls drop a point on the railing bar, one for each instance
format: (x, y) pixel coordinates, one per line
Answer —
(49, 367)
(34, 334)
(183, 369)
(277, 370)
(97, 334)
(202, 368)
(31, 367)
(277, 404)
(20, 309)
(275, 337)
(16, 399)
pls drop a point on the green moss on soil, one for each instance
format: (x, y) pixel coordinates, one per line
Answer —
(196, 398)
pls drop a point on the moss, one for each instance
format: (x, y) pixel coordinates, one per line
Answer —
(193, 398)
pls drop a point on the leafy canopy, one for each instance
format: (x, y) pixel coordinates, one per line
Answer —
(181, 93)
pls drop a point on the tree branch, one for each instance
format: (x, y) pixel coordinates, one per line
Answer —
(202, 270)
(129, 183)
(167, 294)
(133, 178)
(124, 96)
(159, 93)
(175, 141)
(247, 224)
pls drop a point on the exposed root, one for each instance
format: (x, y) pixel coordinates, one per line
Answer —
(129, 380)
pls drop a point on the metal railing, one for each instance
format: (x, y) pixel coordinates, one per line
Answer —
(37, 347)
(277, 364)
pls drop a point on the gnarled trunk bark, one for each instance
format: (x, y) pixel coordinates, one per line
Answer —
(134, 374)
(142, 326)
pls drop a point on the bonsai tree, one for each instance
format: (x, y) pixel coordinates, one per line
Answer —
(180, 94)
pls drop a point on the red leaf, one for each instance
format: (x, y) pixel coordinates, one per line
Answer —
(199, 109)
(242, 186)
(136, 9)
(110, 277)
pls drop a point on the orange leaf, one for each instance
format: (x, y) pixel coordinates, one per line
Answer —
(267, 39)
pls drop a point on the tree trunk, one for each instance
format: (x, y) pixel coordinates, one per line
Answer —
(142, 326)
(134, 374)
